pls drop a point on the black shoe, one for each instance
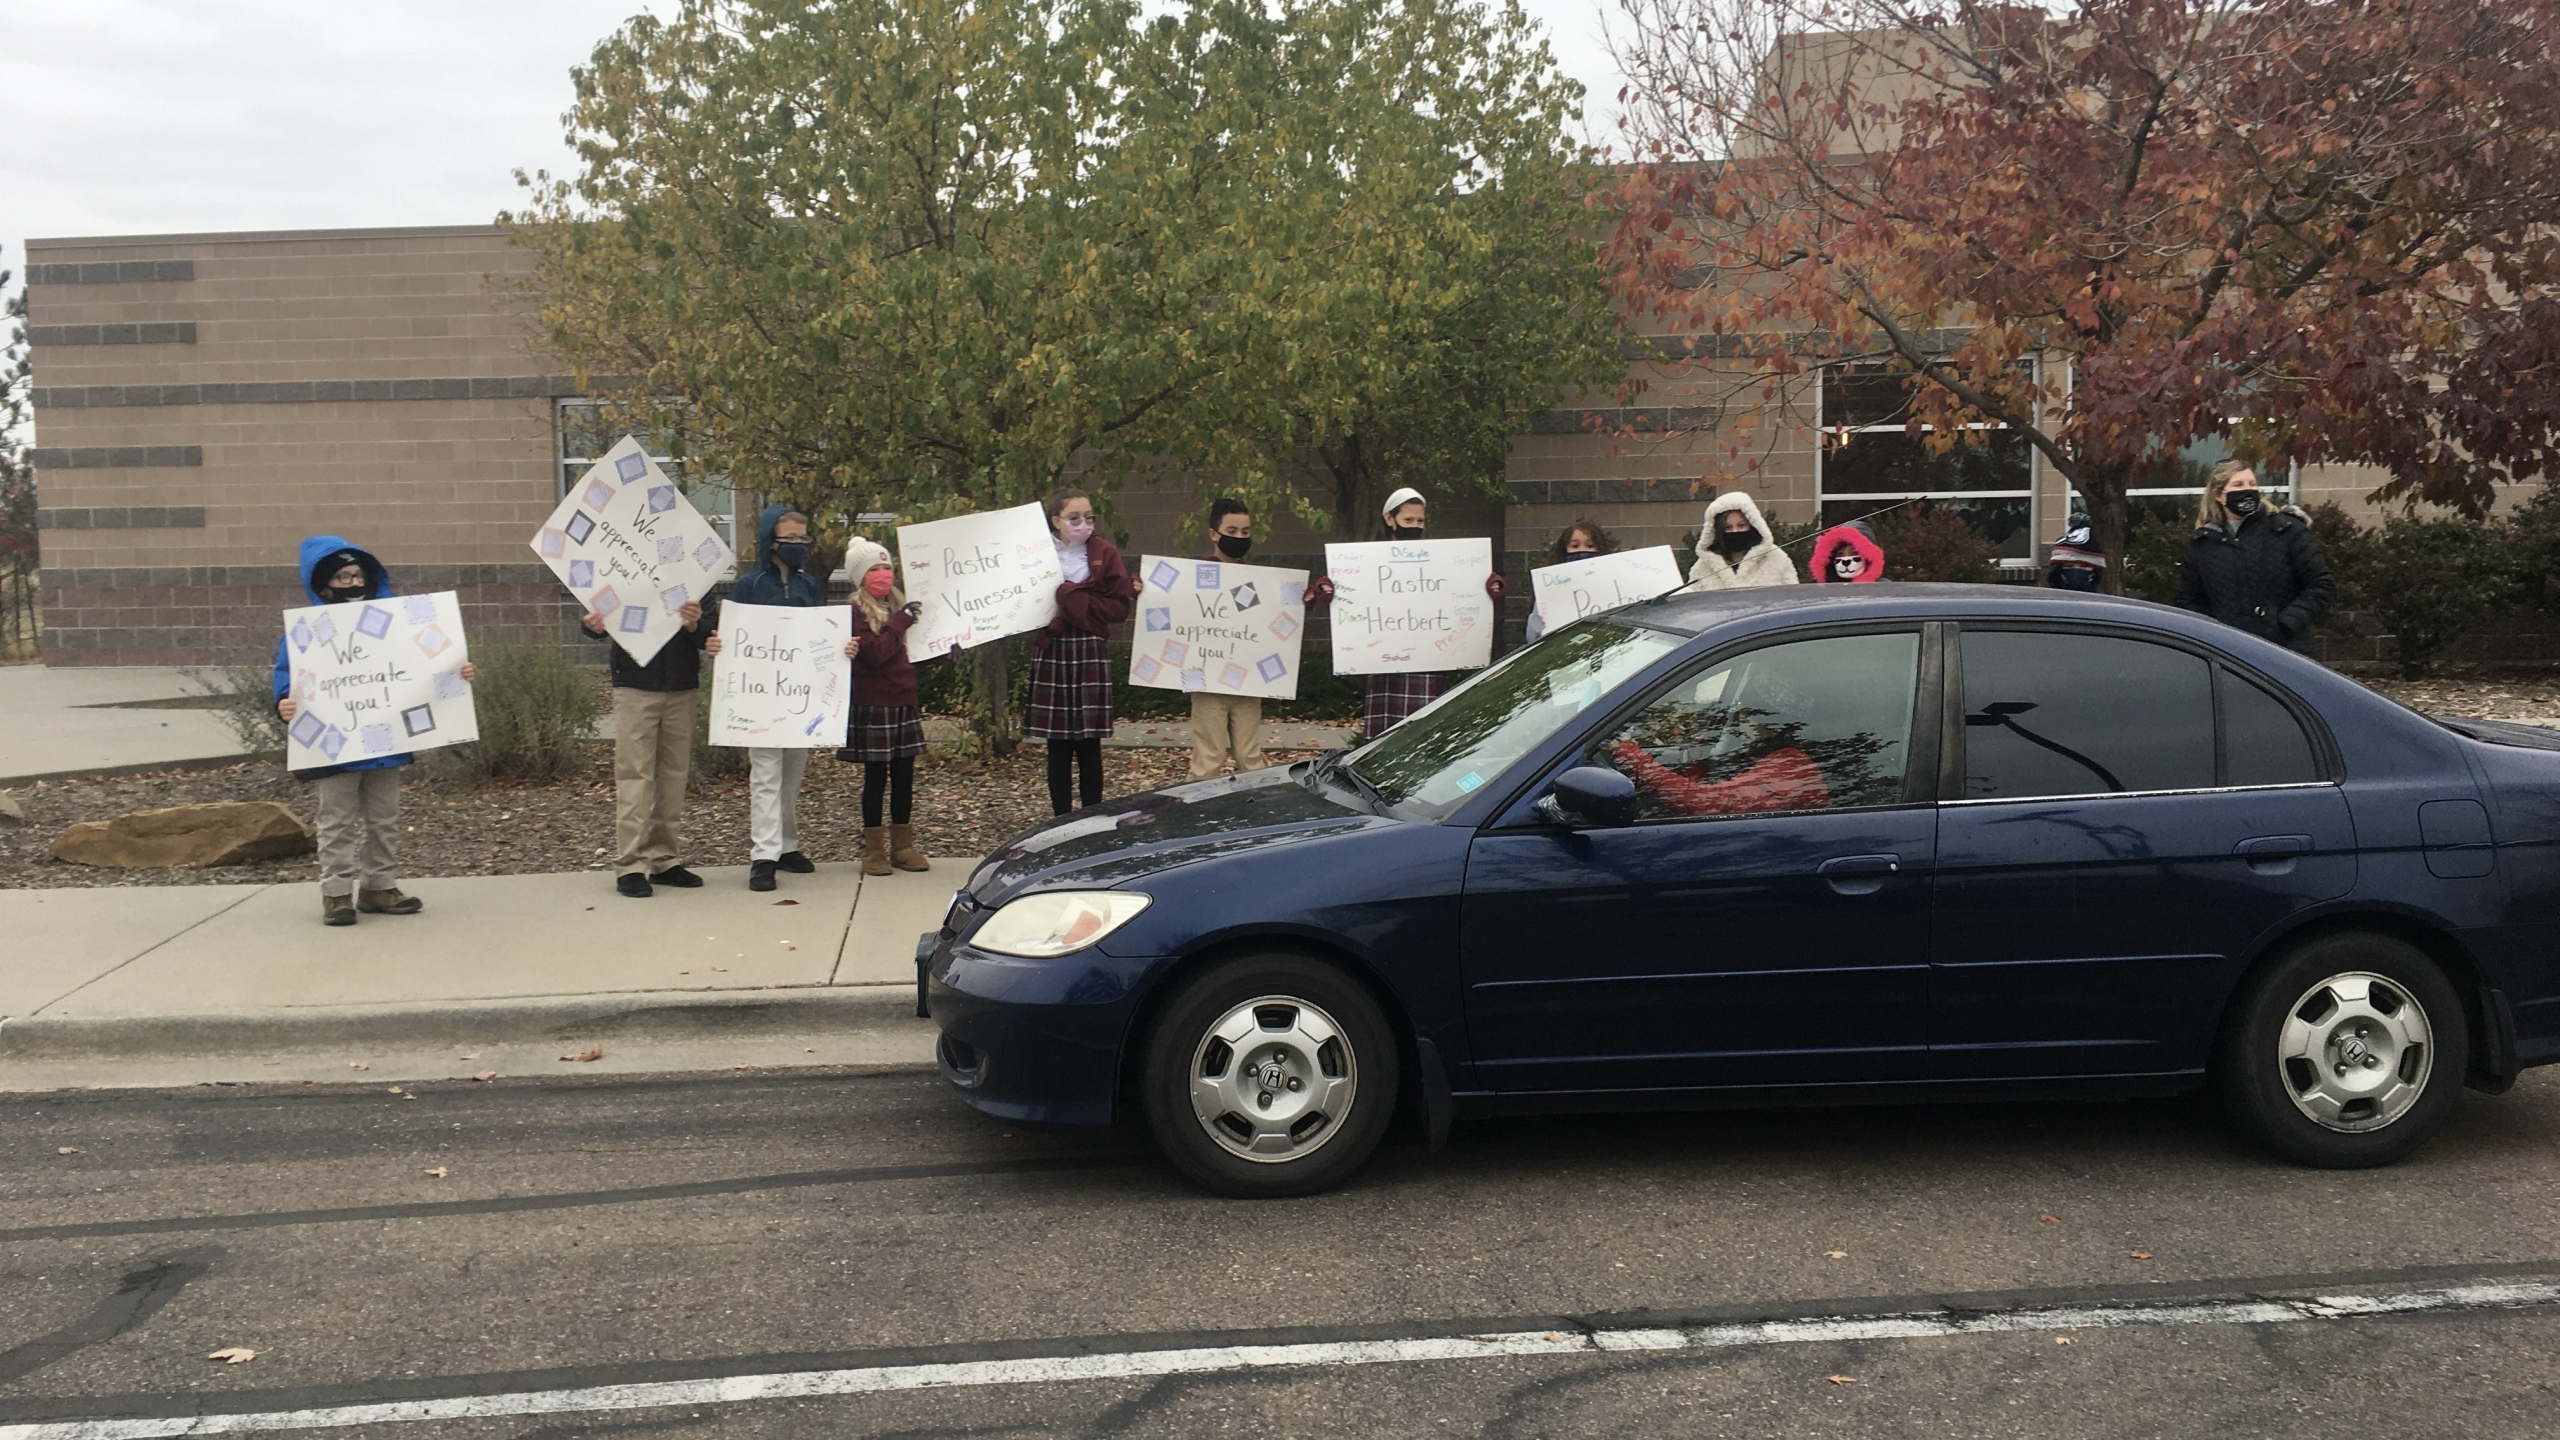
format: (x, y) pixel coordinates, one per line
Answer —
(635, 885)
(797, 863)
(678, 876)
(760, 875)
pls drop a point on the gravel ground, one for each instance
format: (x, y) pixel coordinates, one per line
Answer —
(450, 828)
(503, 829)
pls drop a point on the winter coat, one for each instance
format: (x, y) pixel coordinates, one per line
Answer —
(1855, 537)
(2265, 575)
(678, 664)
(766, 584)
(1762, 564)
(1100, 600)
(315, 551)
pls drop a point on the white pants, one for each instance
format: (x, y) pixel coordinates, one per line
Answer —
(773, 800)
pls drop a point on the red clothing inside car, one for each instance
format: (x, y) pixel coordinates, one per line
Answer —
(1783, 779)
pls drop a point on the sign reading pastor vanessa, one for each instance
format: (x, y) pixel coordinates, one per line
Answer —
(979, 577)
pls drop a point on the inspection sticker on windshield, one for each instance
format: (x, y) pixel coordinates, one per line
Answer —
(1470, 780)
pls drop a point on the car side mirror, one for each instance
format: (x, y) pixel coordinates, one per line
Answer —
(1589, 795)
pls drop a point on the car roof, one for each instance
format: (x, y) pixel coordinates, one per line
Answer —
(1695, 612)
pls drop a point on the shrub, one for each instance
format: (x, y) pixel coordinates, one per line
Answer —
(537, 709)
(246, 704)
(2426, 581)
(2152, 553)
(1929, 541)
(2534, 539)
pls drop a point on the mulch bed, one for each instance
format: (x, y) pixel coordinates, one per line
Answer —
(452, 828)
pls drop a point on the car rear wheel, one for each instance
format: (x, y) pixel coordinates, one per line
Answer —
(2347, 1053)
(1268, 1076)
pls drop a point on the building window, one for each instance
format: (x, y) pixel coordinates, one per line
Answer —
(585, 435)
(2172, 498)
(1870, 461)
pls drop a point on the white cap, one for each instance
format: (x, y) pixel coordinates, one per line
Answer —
(861, 557)
(1404, 496)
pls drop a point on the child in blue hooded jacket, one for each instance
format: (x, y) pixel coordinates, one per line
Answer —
(781, 577)
(358, 802)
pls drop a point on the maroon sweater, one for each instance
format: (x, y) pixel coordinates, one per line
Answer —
(1102, 599)
(882, 674)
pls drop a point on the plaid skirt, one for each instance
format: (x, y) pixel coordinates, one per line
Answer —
(1070, 690)
(883, 732)
(1392, 698)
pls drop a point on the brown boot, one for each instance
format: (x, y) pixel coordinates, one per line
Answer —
(875, 851)
(902, 849)
(388, 902)
(337, 909)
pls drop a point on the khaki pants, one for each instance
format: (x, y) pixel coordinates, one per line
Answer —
(359, 813)
(652, 755)
(773, 801)
(1224, 729)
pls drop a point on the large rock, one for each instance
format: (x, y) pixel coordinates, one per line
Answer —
(187, 836)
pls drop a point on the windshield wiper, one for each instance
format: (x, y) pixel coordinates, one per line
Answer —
(1337, 766)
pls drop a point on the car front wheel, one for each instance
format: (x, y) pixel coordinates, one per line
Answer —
(1269, 1076)
(2347, 1053)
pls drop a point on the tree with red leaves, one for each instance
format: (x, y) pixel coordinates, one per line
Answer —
(2328, 227)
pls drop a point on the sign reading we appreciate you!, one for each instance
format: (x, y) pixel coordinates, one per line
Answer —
(781, 679)
(979, 577)
(1568, 592)
(1411, 605)
(371, 678)
(1207, 625)
(625, 540)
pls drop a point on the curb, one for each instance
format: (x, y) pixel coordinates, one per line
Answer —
(628, 1016)
(138, 767)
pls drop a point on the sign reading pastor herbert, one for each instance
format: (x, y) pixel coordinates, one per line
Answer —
(633, 549)
(980, 578)
(1408, 605)
(1207, 625)
(1577, 588)
(376, 677)
(781, 679)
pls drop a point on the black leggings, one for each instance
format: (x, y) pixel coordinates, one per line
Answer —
(1064, 755)
(898, 777)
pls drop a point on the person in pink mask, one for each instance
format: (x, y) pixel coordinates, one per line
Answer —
(1071, 681)
(886, 730)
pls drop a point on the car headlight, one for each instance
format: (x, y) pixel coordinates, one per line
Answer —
(1056, 922)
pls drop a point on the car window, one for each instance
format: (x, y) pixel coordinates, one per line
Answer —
(2262, 744)
(1808, 725)
(2050, 713)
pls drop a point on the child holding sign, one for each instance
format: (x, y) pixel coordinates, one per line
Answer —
(887, 730)
(358, 802)
(1580, 541)
(1392, 698)
(1071, 681)
(781, 577)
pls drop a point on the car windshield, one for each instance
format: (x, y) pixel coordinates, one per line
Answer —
(1423, 768)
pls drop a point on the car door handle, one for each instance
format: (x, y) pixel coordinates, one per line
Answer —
(1858, 874)
(2273, 854)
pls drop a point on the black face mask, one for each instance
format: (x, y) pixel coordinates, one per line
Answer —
(2243, 503)
(2072, 577)
(340, 594)
(1233, 546)
(1407, 532)
(1735, 542)
(792, 553)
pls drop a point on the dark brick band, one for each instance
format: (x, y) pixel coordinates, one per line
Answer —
(1632, 490)
(1629, 419)
(112, 272)
(121, 517)
(158, 332)
(307, 392)
(410, 579)
(115, 457)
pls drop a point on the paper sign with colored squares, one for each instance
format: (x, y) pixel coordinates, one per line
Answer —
(372, 678)
(781, 679)
(1222, 628)
(1578, 588)
(979, 578)
(1401, 606)
(630, 546)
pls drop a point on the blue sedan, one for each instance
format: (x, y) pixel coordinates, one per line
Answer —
(1872, 842)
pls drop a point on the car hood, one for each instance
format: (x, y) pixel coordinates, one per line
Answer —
(1144, 834)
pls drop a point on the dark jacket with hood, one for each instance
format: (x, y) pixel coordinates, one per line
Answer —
(332, 551)
(678, 664)
(766, 584)
(2265, 575)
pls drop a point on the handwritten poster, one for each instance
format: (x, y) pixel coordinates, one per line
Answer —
(781, 680)
(1403, 605)
(1226, 629)
(631, 547)
(980, 577)
(1577, 588)
(372, 678)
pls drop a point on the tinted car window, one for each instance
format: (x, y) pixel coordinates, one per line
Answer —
(2262, 744)
(1810, 725)
(2062, 714)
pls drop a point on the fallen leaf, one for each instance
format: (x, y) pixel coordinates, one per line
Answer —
(68, 1150)
(1836, 1254)
(394, 1090)
(2050, 1219)
(236, 1355)
(438, 1173)
(468, 1055)
(2141, 1254)
(358, 1065)
(742, 1065)
(485, 1075)
(2061, 1339)
(806, 1050)
(584, 1056)
(786, 902)
(1841, 1379)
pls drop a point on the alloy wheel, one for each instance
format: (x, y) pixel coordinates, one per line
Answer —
(1273, 1080)
(2355, 1051)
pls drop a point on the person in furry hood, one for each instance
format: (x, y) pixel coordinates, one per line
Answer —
(1734, 548)
(1846, 555)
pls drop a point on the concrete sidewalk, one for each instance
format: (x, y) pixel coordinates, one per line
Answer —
(105, 720)
(130, 973)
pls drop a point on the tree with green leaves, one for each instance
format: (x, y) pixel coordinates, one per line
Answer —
(937, 257)
(18, 539)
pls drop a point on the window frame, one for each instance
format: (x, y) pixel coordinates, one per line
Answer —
(1920, 782)
(2031, 490)
(1951, 759)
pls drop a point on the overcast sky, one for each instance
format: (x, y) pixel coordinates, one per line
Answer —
(137, 117)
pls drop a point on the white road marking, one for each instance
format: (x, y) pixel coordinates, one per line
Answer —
(1149, 1364)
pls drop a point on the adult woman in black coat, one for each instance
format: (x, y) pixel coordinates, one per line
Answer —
(2252, 566)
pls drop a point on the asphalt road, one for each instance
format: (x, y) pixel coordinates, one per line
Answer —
(832, 1253)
